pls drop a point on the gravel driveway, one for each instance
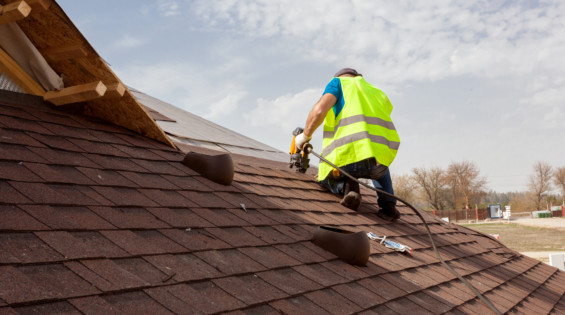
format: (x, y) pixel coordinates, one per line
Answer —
(555, 223)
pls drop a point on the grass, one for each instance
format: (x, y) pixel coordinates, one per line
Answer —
(524, 238)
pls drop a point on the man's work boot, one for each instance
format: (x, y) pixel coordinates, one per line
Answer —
(352, 197)
(351, 200)
(388, 212)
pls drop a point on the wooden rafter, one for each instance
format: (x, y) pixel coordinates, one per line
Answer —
(115, 90)
(39, 5)
(14, 12)
(76, 94)
(18, 75)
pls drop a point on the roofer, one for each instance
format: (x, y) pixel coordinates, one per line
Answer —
(359, 137)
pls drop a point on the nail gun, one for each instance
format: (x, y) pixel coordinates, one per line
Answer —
(299, 158)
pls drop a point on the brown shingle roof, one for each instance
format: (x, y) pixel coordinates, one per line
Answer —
(96, 219)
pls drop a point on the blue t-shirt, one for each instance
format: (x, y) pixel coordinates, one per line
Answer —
(334, 88)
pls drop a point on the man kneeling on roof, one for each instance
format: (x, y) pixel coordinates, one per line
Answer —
(359, 137)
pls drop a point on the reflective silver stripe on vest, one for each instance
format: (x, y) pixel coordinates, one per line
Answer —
(359, 136)
(358, 118)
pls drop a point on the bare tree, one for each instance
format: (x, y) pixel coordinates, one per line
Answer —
(540, 183)
(521, 201)
(453, 190)
(465, 182)
(432, 183)
(559, 179)
(405, 187)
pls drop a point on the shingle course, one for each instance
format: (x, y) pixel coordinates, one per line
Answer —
(332, 302)
(230, 261)
(205, 297)
(142, 242)
(321, 274)
(25, 248)
(297, 305)
(183, 267)
(81, 244)
(21, 124)
(136, 302)
(250, 289)
(406, 306)
(48, 308)
(56, 142)
(67, 218)
(195, 239)
(184, 218)
(269, 257)
(16, 137)
(129, 218)
(93, 305)
(14, 219)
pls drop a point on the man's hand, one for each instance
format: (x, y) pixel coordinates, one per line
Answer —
(300, 141)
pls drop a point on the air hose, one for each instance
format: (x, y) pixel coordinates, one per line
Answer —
(308, 148)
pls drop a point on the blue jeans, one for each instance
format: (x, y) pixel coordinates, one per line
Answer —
(379, 174)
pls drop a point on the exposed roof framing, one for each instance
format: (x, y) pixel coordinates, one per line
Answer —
(18, 75)
(69, 54)
(39, 5)
(115, 90)
(14, 12)
(76, 94)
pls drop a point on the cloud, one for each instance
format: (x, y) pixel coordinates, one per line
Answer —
(544, 108)
(168, 8)
(284, 110)
(204, 91)
(226, 106)
(405, 40)
(128, 41)
(277, 118)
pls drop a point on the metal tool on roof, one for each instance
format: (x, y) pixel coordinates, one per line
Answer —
(390, 244)
(309, 149)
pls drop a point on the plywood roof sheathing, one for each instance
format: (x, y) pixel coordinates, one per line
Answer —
(72, 51)
(18, 75)
(76, 94)
(14, 12)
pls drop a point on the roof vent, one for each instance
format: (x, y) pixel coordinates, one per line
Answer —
(217, 168)
(353, 248)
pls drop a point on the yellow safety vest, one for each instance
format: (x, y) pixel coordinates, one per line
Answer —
(363, 129)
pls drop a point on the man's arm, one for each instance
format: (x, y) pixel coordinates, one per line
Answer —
(318, 113)
(315, 118)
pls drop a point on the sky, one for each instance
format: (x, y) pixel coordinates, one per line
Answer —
(479, 81)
